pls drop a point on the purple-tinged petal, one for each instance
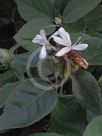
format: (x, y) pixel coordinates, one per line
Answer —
(63, 51)
(65, 36)
(79, 47)
(59, 40)
(43, 53)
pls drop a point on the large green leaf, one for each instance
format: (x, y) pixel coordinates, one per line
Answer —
(28, 44)
(94, 19)
(68, 118)
(28, 31)
(78, 26)
(18, 65)
(52, 1)
(8, 76)
(46, 134)
(60, 5)
(87, 91)
(5, 92)
(93, 53)
(78, 8)
(30, 62)
(26, 105)
(94, 128)
(31, 9)
(89, 115)
(94, 33)
(19, 62)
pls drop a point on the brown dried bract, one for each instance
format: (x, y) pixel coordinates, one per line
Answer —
(77, 60)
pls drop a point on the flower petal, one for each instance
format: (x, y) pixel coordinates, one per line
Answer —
(43, 35)
(43, 53)
(79, 47)
(63, 51)
(38, 39)
(65, 35)
(59, 40)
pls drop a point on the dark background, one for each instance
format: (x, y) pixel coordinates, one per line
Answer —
(10, 23)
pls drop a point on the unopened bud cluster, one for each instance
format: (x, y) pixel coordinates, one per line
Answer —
(5, 58)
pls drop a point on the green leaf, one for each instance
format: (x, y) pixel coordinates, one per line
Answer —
(87, 91)
(5, 92)
(31, 9)
(47, 67)
(94, 128)
(60, 5)
(78, 8)
(94, 19)
(90, 116)
(93, 54)
(8, 76)
(28, 31)
(19, 62)
(46, 134)
(18, 65)
(28, 44)
(94, 33)
(26, 105)
(30, 61)
(68, 118)
(95, 24)
(78, 26)
(52, 1)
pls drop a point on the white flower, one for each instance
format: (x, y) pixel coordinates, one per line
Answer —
(63, 38)
(42, 40)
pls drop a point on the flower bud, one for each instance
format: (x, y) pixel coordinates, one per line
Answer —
(5, 58)
(58, 21)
